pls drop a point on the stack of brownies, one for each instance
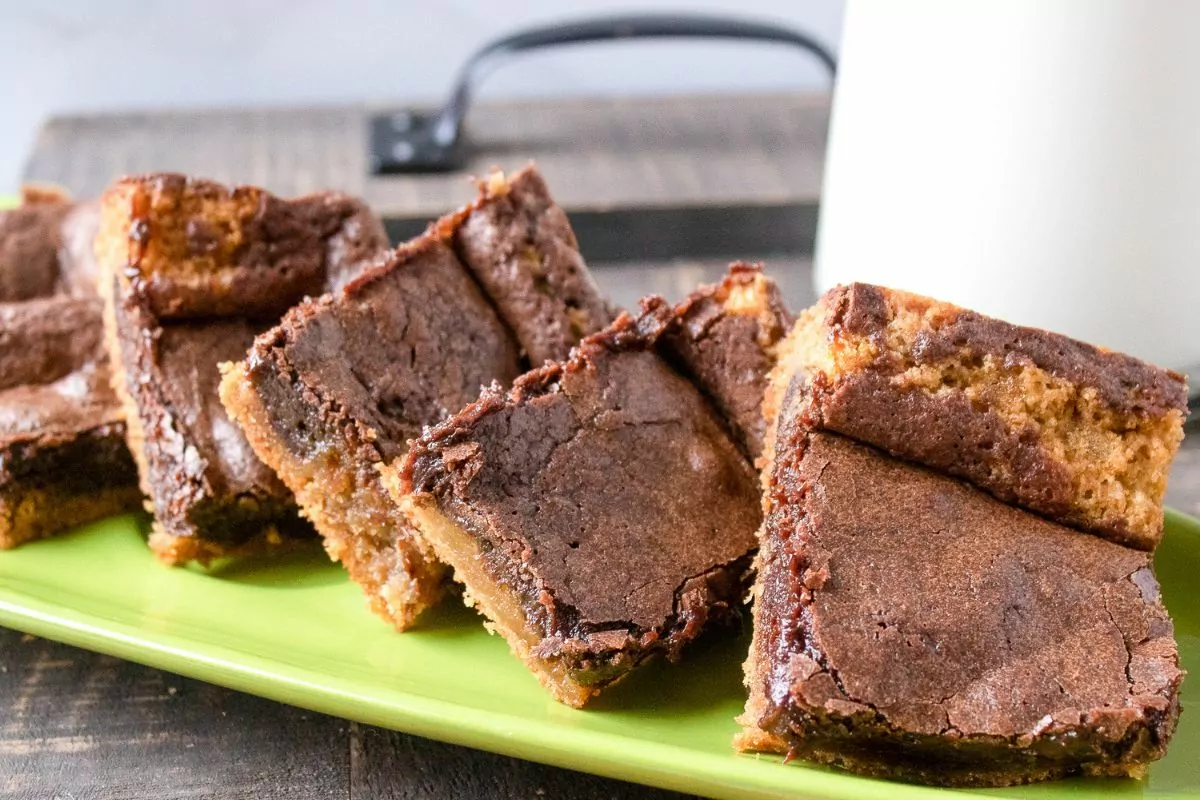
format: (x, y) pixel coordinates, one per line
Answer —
(543, 492)
(955, 582)
(63, 460)
(190, 272)
(339, 388)
(952, 518)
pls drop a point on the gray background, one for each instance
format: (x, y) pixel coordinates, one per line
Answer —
(75, 55)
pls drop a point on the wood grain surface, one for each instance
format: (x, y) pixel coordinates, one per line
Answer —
(598, 154)
(81, 726)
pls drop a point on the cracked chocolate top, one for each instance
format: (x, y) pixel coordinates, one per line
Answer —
(204, 444)
(53, 371)
(1124, 383)
(402, 347)
(43, 340)
(520, 246)
(723, 336)
(605, 481)
(940, 611)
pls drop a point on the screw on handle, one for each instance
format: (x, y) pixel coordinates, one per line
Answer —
(408, 142)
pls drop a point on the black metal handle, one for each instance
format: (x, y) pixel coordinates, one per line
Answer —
(411, 142)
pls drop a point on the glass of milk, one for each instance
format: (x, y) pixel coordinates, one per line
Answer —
(1036, 161)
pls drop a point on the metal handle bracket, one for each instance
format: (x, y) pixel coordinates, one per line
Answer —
(415, 142)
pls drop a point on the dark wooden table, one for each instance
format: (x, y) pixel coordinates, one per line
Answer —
(76, 725)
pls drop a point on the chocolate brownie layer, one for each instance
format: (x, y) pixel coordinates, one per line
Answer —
(597, 513)
(209, 494)
(195, 248)
(30, 238)
(520, 247)
(47, 339)
(192, 271)
(1077, 433)
(724, 337)
(63, 459)
(344, 382)
(909, 626)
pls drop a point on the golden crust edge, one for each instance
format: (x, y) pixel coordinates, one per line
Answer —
(503, 617)
(246, 410)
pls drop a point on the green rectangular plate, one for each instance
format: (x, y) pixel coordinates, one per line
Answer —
(297, 630)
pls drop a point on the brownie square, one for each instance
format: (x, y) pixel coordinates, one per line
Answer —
(46, 247)
(724, 337)
(63, 460)
(342, 384)
(1077, 433)
(195, 249)
(519, 245)
(30, 240)
(193, 271)
(597, 514)
(910, 626)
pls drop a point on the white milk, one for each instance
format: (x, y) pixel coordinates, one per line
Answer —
(1037, 161)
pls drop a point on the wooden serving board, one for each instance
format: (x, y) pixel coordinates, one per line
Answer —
(649, 177)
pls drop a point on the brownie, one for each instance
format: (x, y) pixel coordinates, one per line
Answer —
(63, 460)
(519, 245)
(344, 382)
(724, 337)
(569, 508)
(910, 626)
(79, 272)
(209, 494)
(1077, 433)
(197, 249)
(193, 271)
(30, 238)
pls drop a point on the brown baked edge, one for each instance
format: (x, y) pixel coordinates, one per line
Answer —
(135, 434)
(752, 738)
(676, 339)
(177, 548)
(556, 323)
(327, 488)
